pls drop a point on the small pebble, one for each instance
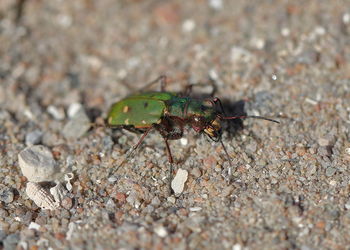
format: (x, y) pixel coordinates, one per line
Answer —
(330, 171)
(178, 182)
(34, 137)
(160, 231)
(184, 141)
(216, 4)
(34, 226)
(77, 126)
(67, 203)
(15, 226)
(347, 205)
(73, 109)
(121, 197)
(323, 142)
(236, 247)
(155, 201)
(37, 163)
(2, 235)
(196, 172)
(6, 194)
(57, 113)
(346, 18)
(11, 241)
(227, 191)
(195, 209)
(3, 213)
(347, 150)
(171, 199)
(188, 25)
(112, 179)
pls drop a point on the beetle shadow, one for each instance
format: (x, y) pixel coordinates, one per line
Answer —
(233, 109)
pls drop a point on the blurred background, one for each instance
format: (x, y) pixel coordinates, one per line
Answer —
(286, 59)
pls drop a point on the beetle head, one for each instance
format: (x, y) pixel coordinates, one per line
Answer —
(213, 129)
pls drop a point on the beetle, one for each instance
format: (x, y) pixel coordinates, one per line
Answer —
(169, 114)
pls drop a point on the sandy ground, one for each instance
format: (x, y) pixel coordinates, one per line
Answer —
(288, 61)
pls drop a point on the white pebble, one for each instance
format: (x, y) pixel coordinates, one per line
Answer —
(37, 163)
(71, 228)
(56, 113)
(347, 150)
(216, 4)
(285, 32)
(195, 209)
(40, 196)
(73, 109)
(34, 226)
(237, 247)
(160, 231)
(184, 141)
(188, 25)
(258, 43)
(178, 182)
(171, 199)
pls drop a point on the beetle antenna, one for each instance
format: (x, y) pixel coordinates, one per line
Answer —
(247, 116)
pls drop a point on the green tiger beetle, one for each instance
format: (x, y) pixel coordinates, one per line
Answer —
(169, 114)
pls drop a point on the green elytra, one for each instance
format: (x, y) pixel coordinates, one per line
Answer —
(144, 110)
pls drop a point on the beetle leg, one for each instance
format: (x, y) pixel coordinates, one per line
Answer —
(141, 139)
(217, 100)
(132, 150)
(189, 88)
(161, 79)
(170, 159)
(229, 171)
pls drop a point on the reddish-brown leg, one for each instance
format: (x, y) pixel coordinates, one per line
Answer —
(131, 151)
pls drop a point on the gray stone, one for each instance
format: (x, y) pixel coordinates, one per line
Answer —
(330, 171)
(77, 126)
(11, 241)
(37, 163)
(6, 194)
(34, 137)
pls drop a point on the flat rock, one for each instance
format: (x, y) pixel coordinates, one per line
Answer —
(37, 163)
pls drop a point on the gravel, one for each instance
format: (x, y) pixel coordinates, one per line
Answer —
(62, 65)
